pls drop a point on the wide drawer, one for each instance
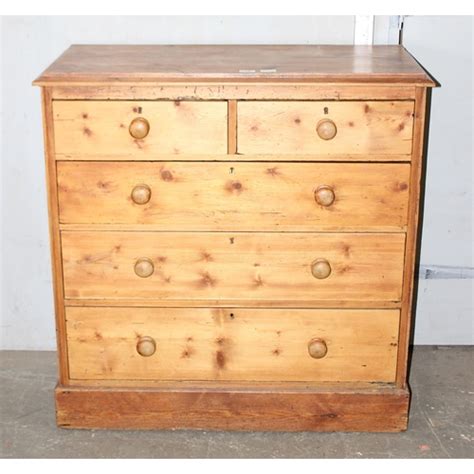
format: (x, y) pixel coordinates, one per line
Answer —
(352, 128)
(246, 266)
(138, 130)
(232, 344)
(235, 196)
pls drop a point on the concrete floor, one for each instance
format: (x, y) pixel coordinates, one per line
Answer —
(441, 421)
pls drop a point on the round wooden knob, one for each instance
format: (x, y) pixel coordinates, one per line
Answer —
(139, 128)
(141, 194)
(317, 348)
(144, 267)
(326, 129)
(146, 346)
(324, 195)
(321, 269)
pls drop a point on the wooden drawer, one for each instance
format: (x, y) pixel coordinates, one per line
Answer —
(362, 128)
(232, 344)
(85, 129)
(251, 267)
(235, 196)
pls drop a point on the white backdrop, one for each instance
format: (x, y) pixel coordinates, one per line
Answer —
(29, 44)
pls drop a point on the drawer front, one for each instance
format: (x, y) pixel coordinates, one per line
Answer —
(235, 196)
(245, 266)
(138, 130)
(366, 128)
(232, 344)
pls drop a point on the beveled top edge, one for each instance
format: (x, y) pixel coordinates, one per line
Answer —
(126, 64)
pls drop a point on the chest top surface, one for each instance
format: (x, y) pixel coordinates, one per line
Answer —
(280, 63)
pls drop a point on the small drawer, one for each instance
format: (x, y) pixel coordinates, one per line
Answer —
(232, 344)
(138, 130)
(346, 128)
(236, 196)
(220, 266)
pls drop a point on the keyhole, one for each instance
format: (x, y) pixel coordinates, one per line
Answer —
(231, 170)
(326, 110)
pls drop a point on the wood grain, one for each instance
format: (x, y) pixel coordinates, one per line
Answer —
(233, 91)
(248, 266)
(54, 234)
(310, 409)
(290, 127)
(234, 385)
(289, 157)
(233, 303)
(412, 235)
(232, 127)
(232, 344)
(176, 127)
(235, 196)
(139, 63)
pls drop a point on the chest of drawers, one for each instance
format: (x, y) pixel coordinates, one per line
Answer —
(233, 233)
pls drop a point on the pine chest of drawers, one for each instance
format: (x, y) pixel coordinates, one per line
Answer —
(234, 234)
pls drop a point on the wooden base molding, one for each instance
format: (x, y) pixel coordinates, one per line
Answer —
(233, 408)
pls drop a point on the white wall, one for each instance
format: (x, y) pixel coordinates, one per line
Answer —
(445, 309)
(29, 44)
(2, 285)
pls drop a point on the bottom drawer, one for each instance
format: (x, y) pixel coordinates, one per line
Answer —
(232, 344)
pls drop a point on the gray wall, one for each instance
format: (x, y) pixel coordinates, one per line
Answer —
(29, 44)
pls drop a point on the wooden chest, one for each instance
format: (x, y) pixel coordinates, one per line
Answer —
(234, 234)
